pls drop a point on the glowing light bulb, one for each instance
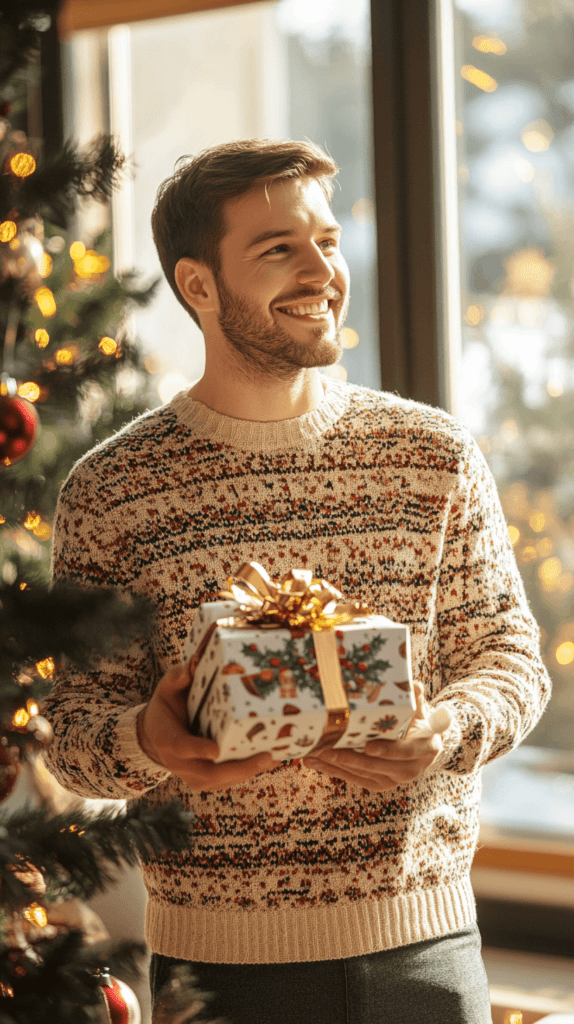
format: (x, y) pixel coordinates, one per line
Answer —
(64, 356)
(20, 718)
(42, 531)
(46, 267)
(41, 337)
(37, 915)
(8, 230)
(77, 250)
(91, 265)
(108, 346)
(45, 668)
(22, 165)
(45, 302)
(31, 521)
(29, 390)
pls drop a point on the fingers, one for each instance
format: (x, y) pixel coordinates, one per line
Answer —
(376, 773)
(378, 783)
(420, 700)
(164, 735)
(208, 776)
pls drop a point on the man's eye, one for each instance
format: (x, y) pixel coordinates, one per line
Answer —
(276, 249)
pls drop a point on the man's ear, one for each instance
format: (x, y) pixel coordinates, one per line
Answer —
(196, 284)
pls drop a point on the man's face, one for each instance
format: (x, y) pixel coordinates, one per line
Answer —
(283, 286)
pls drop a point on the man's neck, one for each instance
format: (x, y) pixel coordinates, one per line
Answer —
(258, 399)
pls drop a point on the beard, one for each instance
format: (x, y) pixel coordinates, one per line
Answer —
(267, 350)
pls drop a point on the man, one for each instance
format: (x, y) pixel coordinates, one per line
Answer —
(335, 889)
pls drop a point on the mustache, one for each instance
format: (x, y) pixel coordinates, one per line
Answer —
(331, 294)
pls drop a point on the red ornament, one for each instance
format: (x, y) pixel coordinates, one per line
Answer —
(120, 999)
(18, 428)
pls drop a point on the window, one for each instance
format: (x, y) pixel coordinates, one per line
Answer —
(515, 387)
(175, 85)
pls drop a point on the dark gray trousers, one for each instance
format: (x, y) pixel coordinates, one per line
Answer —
(439, 981)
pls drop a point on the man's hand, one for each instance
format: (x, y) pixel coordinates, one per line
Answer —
(164, 736)
(387, 764)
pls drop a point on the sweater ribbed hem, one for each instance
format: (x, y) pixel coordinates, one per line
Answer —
(336, 932)
(272, 435)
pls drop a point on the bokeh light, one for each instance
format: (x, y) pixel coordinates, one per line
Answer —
(537, 521)
(22, 165)
(489, 44)
(29, 390)
(479, 78)
(565, 653)
(514, 534)
(8, 230)
(41, 337)
(108, 346)
(45, 668)
(350, 338)
(37, 915)
(45, 302)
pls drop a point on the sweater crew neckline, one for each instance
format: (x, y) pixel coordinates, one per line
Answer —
(272, 435)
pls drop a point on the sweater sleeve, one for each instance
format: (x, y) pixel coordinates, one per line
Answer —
(494, 680)
(95, 751)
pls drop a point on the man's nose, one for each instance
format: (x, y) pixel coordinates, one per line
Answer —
(315, 267)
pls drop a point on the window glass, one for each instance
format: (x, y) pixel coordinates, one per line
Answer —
(515, 389)
(173, 86)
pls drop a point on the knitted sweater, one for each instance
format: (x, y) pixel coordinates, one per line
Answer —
(393, 503)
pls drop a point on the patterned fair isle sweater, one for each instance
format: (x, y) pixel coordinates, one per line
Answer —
(393, 503)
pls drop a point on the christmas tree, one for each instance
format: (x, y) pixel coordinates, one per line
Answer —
(66, 351)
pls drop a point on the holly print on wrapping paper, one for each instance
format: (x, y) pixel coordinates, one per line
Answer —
(293, 668)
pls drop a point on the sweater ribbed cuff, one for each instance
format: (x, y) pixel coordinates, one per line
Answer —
(131, 753)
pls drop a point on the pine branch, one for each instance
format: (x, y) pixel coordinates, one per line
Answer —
(56, 982)
(55, 187)
(179, 1001)
(21, 21)
(39, 622)
(77, 852)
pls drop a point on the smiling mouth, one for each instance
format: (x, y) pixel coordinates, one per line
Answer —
(308, 310)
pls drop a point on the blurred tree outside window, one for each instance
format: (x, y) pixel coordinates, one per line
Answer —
(515, 128)
(176, 85)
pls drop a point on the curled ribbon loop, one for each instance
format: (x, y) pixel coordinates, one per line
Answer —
(297, 601)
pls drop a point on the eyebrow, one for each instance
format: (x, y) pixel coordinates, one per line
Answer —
(265, 236)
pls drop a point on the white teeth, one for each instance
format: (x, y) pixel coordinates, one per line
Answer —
(315, 308)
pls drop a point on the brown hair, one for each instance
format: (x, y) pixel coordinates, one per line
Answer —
(188, 217)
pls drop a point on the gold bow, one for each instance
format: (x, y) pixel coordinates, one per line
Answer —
(298, 600)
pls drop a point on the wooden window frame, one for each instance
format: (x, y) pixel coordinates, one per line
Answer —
(76, 15)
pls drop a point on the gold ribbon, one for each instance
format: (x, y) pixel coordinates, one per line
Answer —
(301, 603)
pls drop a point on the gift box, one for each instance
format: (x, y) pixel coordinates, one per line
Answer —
(289, 668)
